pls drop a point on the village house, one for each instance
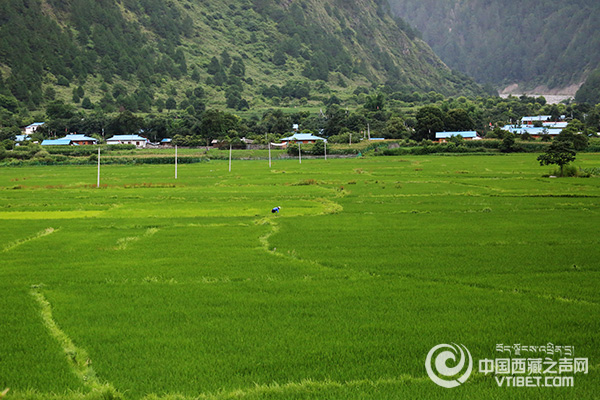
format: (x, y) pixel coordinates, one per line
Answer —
(304, 138)
(530, 120)
(70, 140)
(442, 137)
(81, 140)
(545, 120)
(30, 129)
(21, 138)
(538, 126)
(534, 132)
(56, 142)
(136, 140)
(555, 125)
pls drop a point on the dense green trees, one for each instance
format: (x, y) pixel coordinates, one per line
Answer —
(9, 133)
(575, 135)
(589, 92)
(59, 110)
(125, 123)
(125, 55)
(429, 121)
(458, 120)
(509, 144)
(375, 102)
(105, 43)
(395, 128)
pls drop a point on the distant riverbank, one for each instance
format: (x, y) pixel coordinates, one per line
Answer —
(550, 98)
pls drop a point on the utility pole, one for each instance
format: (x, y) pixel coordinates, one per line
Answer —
(98, 184)
(230, 157)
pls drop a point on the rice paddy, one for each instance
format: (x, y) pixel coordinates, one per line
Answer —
(154, 288)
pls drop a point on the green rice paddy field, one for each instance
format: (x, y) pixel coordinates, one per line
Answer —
(156, 288)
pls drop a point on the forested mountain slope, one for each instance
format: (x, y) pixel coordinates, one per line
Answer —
(533, 42)
(144, 54)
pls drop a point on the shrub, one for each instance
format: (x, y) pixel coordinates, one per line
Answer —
(306, 182)
(567, 171)
(41, 154)
(594, 171)
(292, 149)
(318, 148)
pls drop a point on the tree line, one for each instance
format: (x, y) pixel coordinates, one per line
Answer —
(378, 115)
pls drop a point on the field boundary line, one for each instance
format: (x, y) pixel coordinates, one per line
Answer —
(40, 234)
(291, 255)
(264, 239)
(514, 291)
(77, 357)
(305, 385)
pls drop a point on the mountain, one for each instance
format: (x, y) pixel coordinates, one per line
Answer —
(553, 43)
(143, 55)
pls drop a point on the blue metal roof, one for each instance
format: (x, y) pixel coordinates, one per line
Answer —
(80, 138)
(464, 134)
(301, 137)
(166, 140)
(555, 125)
(21, 138)
(531, 130)
(56, 142)
(127, 138)
(537, 118)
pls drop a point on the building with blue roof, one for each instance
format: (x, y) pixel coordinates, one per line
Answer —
(81, 140)
(30, 129)
(136, 140)
(303, 138)
(70, 140)
(529, 120)
(535, 132)
(555, 125)
(56, 142)
(442, 137)
(546, 120)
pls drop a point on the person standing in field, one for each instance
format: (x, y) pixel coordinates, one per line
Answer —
(276, 209)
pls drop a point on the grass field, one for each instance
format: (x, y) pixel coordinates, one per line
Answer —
(156, 288)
